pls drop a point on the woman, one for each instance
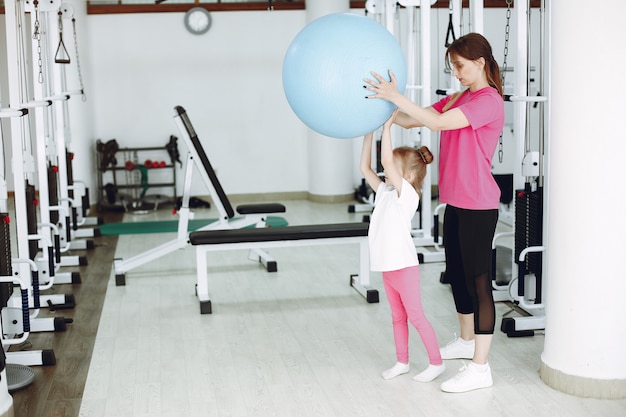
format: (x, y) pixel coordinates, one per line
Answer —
(470, 123)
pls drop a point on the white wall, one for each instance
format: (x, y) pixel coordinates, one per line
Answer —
(137, 67)
(228, 80)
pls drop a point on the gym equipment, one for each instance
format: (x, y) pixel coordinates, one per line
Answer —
(172, 150)
(529, 201)
(125, 185)
(61, 56)
(80, 208)
(289, 236)
(17, 322)
(26, 271)
(18, 376)
(26, 376)
(503, 165)
(251, 214)
(73, 195)
(51, 158)
(402, 21)
(324, 68)
(501, 268)
(140, 228)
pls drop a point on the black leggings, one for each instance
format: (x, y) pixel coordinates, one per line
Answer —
(468, 236)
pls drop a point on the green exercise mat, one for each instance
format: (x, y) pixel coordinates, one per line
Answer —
(171, 226)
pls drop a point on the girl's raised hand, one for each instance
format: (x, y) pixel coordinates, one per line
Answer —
(391, 120)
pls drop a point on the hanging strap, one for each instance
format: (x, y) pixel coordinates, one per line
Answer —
(61, 56)
(450, 32)
(453, 100)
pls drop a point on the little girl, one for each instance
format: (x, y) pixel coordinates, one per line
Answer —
(392, 250)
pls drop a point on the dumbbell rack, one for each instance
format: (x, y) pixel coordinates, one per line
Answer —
(120, 188)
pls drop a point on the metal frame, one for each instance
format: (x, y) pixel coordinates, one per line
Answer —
(535, 320)
(360, 282)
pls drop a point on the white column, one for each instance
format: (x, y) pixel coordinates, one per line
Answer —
(331, 175)
(585, 336)
(477, 16)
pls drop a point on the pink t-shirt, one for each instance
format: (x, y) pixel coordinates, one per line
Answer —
(465, 155)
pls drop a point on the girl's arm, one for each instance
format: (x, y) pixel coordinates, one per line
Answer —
(429, 117)
(393, 176)
(366, 163)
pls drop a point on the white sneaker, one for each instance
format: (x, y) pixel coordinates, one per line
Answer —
(458, 349)
(430, 373)
(398, 369)
(469, 378)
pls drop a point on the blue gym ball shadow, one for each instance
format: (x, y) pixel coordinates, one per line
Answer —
(324, 68)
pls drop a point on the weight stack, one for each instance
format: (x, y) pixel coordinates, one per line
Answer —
(6, 270)
(53, 193)
(529, 232)
(31, 220)
(69, 158)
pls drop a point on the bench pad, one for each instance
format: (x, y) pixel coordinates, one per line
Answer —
(261, 208)
(271, 234)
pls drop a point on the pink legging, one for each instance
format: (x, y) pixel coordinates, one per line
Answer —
(403, 292)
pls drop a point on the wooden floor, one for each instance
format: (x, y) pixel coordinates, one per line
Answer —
(299, 342)
(58, 390)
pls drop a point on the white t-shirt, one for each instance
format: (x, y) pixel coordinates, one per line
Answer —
(390, 240)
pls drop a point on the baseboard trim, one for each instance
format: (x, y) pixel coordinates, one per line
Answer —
(295, 195)
(236, 199)
(606, 389)
(343, 198)
(265, 197)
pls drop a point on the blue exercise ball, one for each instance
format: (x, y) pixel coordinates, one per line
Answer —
(323, 73)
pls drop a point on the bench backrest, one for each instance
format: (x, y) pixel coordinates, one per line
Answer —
(203, 164)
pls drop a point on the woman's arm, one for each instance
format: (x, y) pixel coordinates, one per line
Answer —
(429, 117)
(407, 122)
(370, 176)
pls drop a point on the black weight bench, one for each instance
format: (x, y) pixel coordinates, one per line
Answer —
(288, 236)
(251, 215)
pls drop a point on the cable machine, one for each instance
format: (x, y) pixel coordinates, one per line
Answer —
(17, 323)
(61, 56)
(392, 16)
(20, 375)
(78, 192)
(35, 97)
(529, 198)
(39, 106)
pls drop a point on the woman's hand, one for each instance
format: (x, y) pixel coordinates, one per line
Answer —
(387, 90)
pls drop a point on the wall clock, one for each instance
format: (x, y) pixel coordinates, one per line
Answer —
(197, 20)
